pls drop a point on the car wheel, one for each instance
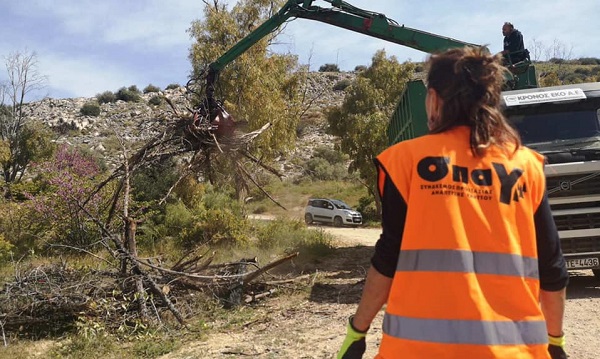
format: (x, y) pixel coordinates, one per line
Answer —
(308, 218)
(337, 221)
(596, 273)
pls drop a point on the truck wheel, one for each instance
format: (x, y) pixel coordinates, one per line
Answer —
(308, 218)
(596, 273)
(337, 221)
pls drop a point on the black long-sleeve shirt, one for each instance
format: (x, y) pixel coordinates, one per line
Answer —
(514, 46)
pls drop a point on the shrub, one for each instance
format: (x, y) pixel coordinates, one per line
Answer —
(293, 236)
(194, 227)
(151, 88)
(172, 86)
(68, 180)
(584, 71)
(106, 97)
(360, 68)
(134, 89)
(151, 183)
(330, 155)
(329, 68)
(550, 79)
(127, 95)
(366, 206)
(90, 109)
(319, 169)
(573, 78)
(589, 61)
(6, 249)
(155, 100)
(20, 231)
(325, 165)
(342, 85)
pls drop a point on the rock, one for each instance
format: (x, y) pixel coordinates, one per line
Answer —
(139, 121)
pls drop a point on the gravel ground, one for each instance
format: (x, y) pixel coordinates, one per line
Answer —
(312, 324)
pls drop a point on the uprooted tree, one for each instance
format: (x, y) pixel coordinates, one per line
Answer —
(259, 87)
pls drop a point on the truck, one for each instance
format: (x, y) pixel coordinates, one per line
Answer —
(562, 123)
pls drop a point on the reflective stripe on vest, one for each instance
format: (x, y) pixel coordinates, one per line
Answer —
(465, 261)
(466, 331)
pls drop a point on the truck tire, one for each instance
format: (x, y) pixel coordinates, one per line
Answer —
(596, 273)
(337, 221)
(308, 218)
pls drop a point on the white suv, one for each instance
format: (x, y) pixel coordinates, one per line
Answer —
(331, 211)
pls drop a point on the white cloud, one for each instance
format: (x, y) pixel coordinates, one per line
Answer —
(138, 23)
(82, 77)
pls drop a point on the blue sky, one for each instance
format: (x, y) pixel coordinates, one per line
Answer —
(86, 47)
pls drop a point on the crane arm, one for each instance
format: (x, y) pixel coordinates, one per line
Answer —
(340, 14)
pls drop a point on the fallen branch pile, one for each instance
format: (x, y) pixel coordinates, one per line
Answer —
(51, 299)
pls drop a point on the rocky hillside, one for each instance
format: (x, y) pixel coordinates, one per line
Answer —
(138, 121)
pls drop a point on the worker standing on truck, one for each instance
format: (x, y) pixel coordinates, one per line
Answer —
(514, 48)
(469, 260)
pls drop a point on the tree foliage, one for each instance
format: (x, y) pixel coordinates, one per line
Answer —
(91, 108)
(362, 119)
(326, 164)
(329, 68)
(106, 97)
(258, 86)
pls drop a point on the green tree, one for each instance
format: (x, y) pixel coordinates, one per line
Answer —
(329, 68)
(20, 140)
(361, 121)
(106, 97)
(91, 108)
(258, 86)
(151, 88)
(131, 94)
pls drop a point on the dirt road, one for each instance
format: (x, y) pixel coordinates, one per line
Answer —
(312, 324)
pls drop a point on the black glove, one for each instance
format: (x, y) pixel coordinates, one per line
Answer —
(556, 352)
(354, 344)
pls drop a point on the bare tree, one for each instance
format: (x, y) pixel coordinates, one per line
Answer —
(536, 48)
(559, 53)
(23, 80)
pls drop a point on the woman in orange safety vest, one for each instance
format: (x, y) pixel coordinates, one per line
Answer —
(469, 259)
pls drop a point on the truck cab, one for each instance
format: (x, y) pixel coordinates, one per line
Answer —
(563, 124)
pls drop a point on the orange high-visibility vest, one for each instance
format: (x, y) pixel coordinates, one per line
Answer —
(467, 281)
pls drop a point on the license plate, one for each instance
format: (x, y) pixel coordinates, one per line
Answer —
(582, 263)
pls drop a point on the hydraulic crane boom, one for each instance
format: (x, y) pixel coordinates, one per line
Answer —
(410, 112)
(343, 15)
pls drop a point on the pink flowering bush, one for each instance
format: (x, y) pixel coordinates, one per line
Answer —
(67, 182)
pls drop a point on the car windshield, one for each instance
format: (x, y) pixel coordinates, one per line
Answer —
(339, 204)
